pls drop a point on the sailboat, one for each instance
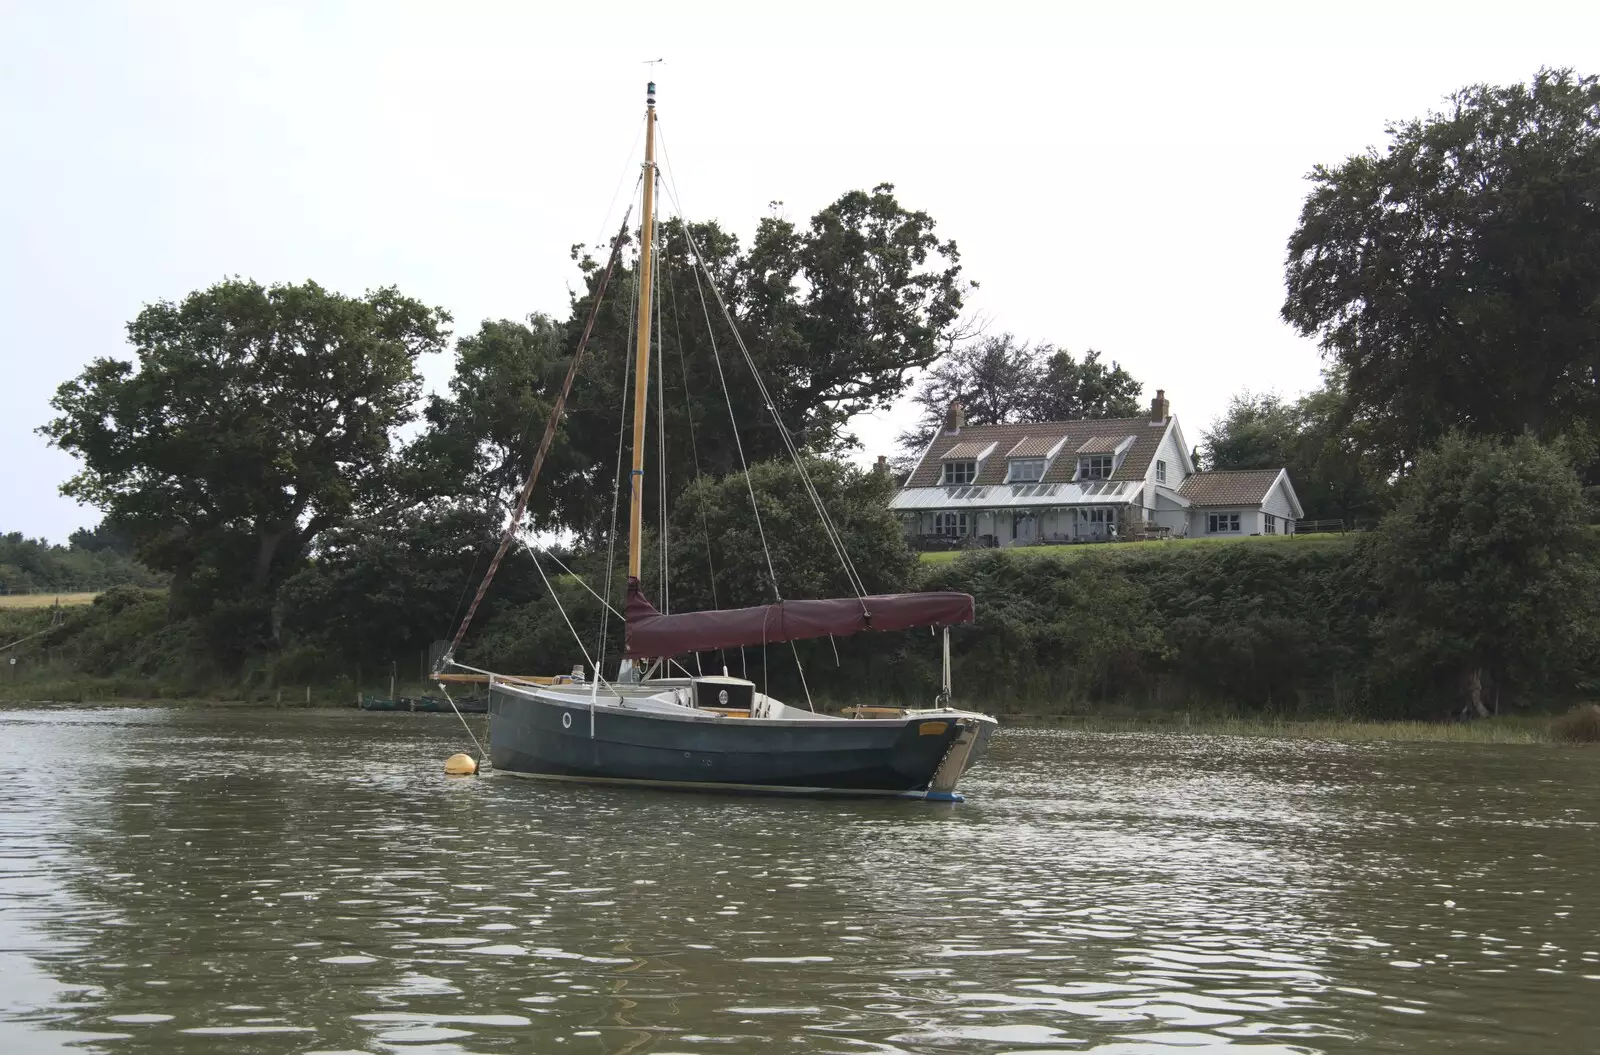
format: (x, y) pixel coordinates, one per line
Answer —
(719, 732)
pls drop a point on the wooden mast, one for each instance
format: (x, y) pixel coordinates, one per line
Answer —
(641, 366)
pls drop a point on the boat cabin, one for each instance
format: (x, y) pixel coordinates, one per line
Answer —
(723, 694)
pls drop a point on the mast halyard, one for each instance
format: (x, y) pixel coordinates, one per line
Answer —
(641, 366)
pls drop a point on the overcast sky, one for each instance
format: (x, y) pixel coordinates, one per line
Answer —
(1117, 177)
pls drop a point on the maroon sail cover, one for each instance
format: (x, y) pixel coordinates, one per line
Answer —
(652, 634)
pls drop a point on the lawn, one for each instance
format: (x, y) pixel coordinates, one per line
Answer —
(44, 600)
(1074, 552)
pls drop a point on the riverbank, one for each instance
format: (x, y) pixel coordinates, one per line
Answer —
(1520, 729)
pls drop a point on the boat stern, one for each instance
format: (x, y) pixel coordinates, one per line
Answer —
(973, 732)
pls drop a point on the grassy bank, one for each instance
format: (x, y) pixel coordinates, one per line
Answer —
(1080, 550)
(45, 600)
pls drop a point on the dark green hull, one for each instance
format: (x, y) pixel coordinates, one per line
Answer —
(547, 736)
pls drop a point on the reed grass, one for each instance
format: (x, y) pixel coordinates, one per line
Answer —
(1520, 729)
(1581, 725)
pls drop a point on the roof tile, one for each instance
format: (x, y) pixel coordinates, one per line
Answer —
(1135, 465)
(1229, 487)
(966, 449)
(1034, 446)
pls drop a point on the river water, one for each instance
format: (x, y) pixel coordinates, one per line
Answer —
(282, 881)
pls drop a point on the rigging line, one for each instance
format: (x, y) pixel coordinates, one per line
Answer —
(477, 555)
(716, 357)
(694, 449)
(536, 553)
(464, 725)
(627, 165)
(733, 421)
(801, 667)
(30, 637)
(505, 679)
(616, 483)
(829, 528)
(556, 412)
(564, 618)
(661, 415)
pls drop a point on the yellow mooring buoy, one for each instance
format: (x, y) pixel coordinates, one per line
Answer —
(460, 765)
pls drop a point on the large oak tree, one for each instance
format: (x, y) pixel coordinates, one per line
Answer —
(836, 314)
(251, 420)
(1454, 276)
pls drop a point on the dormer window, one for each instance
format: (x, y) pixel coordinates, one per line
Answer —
(1025, 471)
(1094, 466)
(960, 472)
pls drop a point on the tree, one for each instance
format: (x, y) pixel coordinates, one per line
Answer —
(105, 536)
(1455, 276)
(1257, 431)
(254, 420)
(835, 314)
(993, 379)
(1069, 388)
(482, 436)
(1000, 380)
(1334, 472)
(381, 591)
(716, 552)
(1486, 572)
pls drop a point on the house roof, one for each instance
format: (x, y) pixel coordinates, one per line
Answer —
(1033, 447)
(965, 449)
(1100, 445)
(1135, 465)
(1230, 487)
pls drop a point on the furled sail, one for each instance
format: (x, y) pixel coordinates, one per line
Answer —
(652, 634)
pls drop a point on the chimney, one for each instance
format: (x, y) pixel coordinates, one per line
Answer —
(1160, 409)
(954, 418)
(883, 464)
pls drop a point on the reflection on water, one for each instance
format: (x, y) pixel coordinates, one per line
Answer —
(258, 881)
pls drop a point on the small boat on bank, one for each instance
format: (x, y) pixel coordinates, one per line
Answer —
(477, 704)
(719, 732)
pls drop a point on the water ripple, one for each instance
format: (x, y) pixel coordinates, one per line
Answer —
(311, 882)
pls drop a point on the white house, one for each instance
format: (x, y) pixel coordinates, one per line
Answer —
(1065, 481)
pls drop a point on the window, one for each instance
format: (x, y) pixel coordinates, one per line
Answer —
(1094, 467)
(954, 524)
(1097, 516)
(1026, 471)
(1217, 523)
(960, 472)
(1161, 472)
(1269, 524)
